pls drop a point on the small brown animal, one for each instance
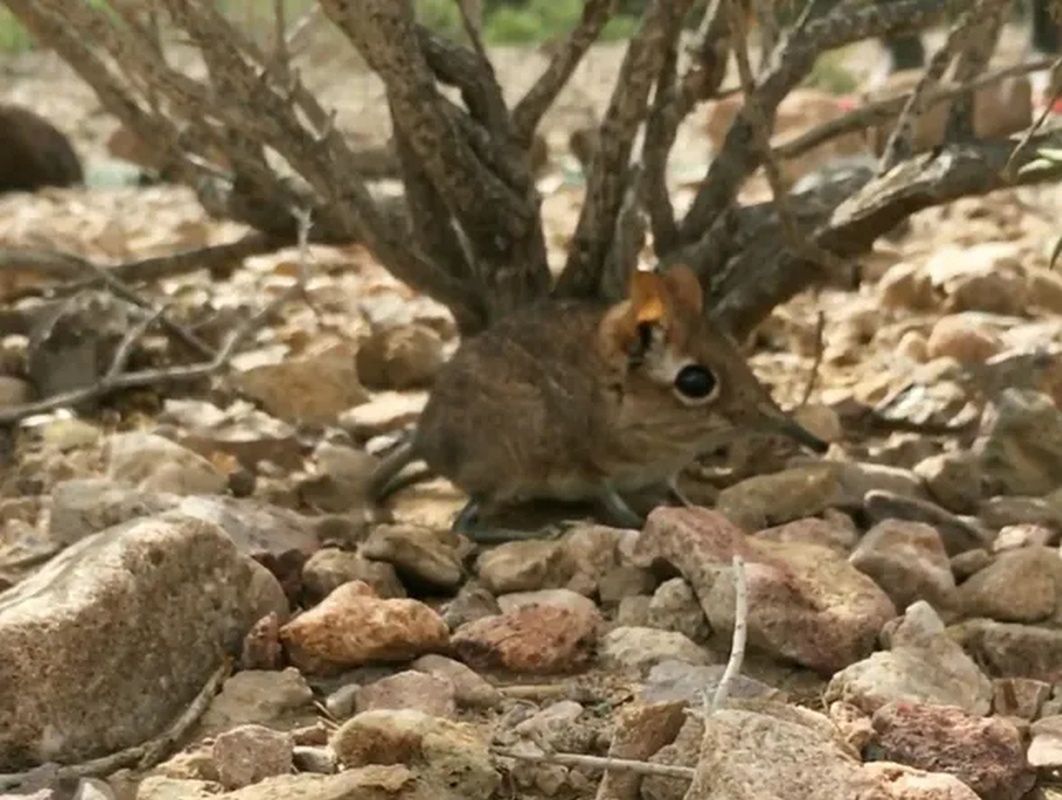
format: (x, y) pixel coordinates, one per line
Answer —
(34, 153)
(579, 402)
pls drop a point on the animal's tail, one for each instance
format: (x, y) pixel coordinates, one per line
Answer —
(383, 481)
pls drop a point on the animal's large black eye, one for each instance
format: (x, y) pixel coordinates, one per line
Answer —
(695, 382)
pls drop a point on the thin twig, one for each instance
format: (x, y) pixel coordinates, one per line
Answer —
(147, 377)
(601, 762)
(1011, 167)
(737, 647)
(813, 376)
(883, 110)
(898, 146)
(761, 128)
(124, 350)
(141, 756)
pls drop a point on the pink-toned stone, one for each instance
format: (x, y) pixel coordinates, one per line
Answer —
(352, 626)
(806, 602)
(987, 754)
(417, 690)
(532, 639)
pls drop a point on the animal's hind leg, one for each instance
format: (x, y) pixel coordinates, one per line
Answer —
(469, 523)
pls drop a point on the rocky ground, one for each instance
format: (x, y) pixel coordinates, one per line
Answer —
(904, 592)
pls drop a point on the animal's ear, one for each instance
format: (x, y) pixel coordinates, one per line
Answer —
(648, 297)
(685, 287)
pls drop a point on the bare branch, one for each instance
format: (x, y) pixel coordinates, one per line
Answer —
(796, 55)
(1023, 145)
(529, 110)
(963, 32)
(763, 273)
(110, 383)
(609, 169)
(816, 364)
(883, 110)
(599, 762)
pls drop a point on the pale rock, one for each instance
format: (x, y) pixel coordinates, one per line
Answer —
(352, 627)
(168, 594)
(1012, 650)
(674, 607)
(561, 598)
(640, 649)
(820, 420)
(258, 529)
(763, 500)
(384, 412)
(806, 603)
(559, 727)
(623, 582)
(953, 480)
(69, 434)
(833, 534)
(470, 689)
(900, 782)
(155, 464)
(907, 286)
(908, 561)
(538, 639)
(314, 388)
(280, 699)
(472, 602)
(1022, 698)
(1021, 453)
(988, 755)
(251, 753)
(984, 277)
(958, 533)
(330, 568)
(523, 566)
(446, 756)
(1045, 749)
(418, 554)
(393, 782)
(962, 337)
(590, 552)
(1018, 586)
(1027, 534)
(923, 664)
(998, 512)
(85, 506)
(431, 694)
(404, 357)
(633, 611)
(674, 681)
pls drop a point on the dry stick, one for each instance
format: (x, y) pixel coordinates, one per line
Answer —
(899, 143)
(820, 328)
(882, 110)
(762, 131)
(529, 110)
(147, 377)
(601, 762)
(722, 691)
(63, 261)
(737, 647)
(141, 756)
(1023, 145)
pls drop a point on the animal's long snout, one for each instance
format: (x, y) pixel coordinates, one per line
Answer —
(778, 422)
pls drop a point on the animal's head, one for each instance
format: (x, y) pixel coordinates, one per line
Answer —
(680, 378)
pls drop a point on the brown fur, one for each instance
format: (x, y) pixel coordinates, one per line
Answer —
(34, 153)
(549, 404)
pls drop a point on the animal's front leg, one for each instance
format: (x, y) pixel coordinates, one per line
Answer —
(619, 511)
